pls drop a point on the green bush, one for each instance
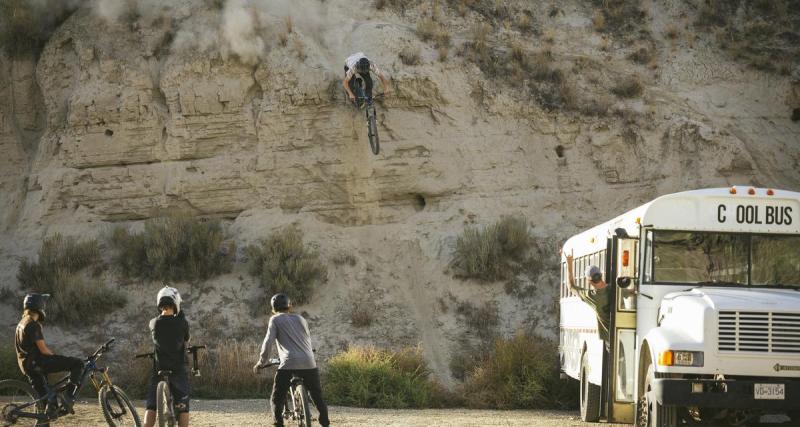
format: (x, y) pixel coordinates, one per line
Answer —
(498, 252)
(368, 377)
(68, 270)
(282, 263)
(177, 247)
(9, 369)
(519, 372)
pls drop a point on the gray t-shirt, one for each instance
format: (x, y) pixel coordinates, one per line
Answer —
(290, 331)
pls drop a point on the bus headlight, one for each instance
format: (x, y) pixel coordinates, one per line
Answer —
(680, 358)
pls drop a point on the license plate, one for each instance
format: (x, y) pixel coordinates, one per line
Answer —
(770, 391)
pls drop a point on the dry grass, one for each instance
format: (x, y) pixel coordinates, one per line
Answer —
(641, 55)
(483, 320)
(343, 258)
(443, 52)
(629, 87)
(361, 315)
(672, 32)
(494, 253)
(431, 30)
(599, 21)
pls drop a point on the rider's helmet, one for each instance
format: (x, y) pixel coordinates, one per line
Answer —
(280, 302)
(36, 302)
(362, 66)
(169, 296)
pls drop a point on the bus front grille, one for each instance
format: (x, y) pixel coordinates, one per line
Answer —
(759, 332)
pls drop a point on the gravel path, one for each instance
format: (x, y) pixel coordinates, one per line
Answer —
(253, 413)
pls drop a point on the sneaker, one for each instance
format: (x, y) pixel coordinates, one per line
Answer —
(67, 402)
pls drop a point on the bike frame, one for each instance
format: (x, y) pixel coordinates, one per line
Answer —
(89, 370)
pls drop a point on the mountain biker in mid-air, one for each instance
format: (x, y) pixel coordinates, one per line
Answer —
(358, 65)
(34, 357)
(170, 332)
(290, 332)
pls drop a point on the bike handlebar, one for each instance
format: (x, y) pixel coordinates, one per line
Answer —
(102, 349)
(193, 349)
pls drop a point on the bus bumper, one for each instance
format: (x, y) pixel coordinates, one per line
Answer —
(724, 394)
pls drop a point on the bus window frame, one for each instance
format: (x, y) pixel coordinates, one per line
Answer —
(650, 245)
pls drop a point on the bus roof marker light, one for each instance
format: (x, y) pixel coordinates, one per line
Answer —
(770, 192)
(733, 190)
(751, 191)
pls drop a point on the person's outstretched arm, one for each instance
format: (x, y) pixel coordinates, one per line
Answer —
(384, 81)
(269, 342)
(346, 84)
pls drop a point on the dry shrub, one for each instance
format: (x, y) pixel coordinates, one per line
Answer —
(641, 55)
(68, 270)
(483, 320)
(9, 369)
(227, 372)
(672, 32)
(299, 49)
(431, 30)
(629, 87)
(343, 258)
(282, 263)
(410, 56)
(360, 315)
(177, 247)
(497, 252)
(519, 372)
(369, 377)
(599, 20)
(619, 16)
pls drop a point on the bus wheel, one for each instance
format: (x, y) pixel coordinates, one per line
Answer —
(651, 413)
(590, 394)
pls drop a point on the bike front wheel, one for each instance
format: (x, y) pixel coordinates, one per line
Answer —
(372, 130)
(117, 407)
(164, 410)
(301, 398)
(14, 394)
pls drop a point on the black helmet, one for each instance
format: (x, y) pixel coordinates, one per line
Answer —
(36, 302)
(279, 302)
(362, 66)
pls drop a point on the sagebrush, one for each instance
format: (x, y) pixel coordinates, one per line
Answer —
(283, 263)
(177, 247)
(69, 270)
(497, 252)
(519, 372)
(369, 377)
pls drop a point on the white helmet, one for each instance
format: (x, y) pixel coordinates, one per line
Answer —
(171, 295)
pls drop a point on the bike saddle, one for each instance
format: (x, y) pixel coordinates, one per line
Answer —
(163, 373)
(296, 380)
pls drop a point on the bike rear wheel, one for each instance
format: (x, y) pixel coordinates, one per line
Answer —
(13, 394)
(304, 409)
(117, 407)
(164, 409)
(372, 130)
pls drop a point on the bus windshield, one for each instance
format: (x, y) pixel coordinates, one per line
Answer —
(726, 259)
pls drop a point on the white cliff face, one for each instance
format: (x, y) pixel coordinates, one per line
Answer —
(117, 122)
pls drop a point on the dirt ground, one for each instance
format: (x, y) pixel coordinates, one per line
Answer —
(254, 413)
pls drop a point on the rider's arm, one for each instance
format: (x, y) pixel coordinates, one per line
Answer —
(384, 80)
(346, 84)
(43, 348)
(269, 342)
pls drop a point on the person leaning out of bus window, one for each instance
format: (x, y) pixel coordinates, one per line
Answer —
(596, 295)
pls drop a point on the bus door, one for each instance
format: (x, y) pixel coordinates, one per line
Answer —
(622, 330)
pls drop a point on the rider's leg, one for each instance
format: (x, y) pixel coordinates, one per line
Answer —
(368, 84)
(180, 388)
(356, 89)
(150, 414)
(57, 363)
(312, 382)
(280, 386)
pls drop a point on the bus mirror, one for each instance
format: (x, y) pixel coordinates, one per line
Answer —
(623, 282)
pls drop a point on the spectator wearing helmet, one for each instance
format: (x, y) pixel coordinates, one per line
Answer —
(35, 359)
(290, 332)
(358, 66)
(170, 333)
(596, 295)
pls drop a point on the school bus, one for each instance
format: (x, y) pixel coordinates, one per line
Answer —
(703, 310)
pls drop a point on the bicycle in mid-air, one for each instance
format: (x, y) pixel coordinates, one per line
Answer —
(165, 404)
(298, 402)
(372, 125)
(21, 407)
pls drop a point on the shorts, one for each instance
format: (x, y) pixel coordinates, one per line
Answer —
(178, 386)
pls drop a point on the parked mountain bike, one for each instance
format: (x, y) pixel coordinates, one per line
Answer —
(369, 104)
(165, 404)
(298, 402)
(21, 407)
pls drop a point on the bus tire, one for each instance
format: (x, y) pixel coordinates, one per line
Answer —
(589, 394)
(654, 414)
